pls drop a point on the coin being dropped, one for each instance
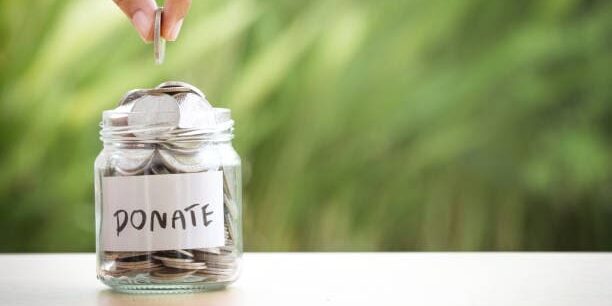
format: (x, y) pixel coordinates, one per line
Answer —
(152, 114)
(159, 44)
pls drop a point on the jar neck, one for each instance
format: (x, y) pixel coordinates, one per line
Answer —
(114, 145)
(117, 129)
(170, 138)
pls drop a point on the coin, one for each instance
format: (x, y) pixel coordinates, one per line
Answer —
(170, 91)
(231, 228)
(158, 168)
(171, 259)
(131, 96)
(184, 265)
(191, 147)
(195, 111)
(136, 265)
(185, 252)
(159, 44)
(216, 271)
(230, 206)
(132, 163)
(156, 165)
(171, 273)
(209, 251)
(226, 184)
(179, 162)
(153, 114)
(209, 258)
(122, 255)
(221, 265)
(178, 84)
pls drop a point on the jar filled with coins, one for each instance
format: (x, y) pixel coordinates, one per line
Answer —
(168, 193)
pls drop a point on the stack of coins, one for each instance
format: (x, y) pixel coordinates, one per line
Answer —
(164, 131)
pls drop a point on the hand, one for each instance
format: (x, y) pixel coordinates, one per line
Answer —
(142, 15)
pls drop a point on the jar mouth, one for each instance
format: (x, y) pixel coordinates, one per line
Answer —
(221, 113)
(168, 127)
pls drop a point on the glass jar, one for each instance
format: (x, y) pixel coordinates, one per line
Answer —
(168, 193)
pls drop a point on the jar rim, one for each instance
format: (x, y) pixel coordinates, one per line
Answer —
(115, 127)
(105, 113)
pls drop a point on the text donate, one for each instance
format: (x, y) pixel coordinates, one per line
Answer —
(138, 219)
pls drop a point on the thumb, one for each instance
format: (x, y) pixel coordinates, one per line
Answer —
(172, 19)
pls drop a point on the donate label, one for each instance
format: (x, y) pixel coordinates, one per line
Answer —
(162, 212)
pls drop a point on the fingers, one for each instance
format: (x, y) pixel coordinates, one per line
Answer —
(172, 19)
(142, 14)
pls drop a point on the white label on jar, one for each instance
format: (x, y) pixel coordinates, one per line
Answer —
(162, 212)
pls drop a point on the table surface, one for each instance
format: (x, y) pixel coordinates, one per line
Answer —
(337, 279)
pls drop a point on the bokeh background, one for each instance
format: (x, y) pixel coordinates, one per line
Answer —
(363, 125)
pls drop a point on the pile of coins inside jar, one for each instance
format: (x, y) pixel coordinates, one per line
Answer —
(166, 130)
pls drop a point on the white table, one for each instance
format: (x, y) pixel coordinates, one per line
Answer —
(337, 279)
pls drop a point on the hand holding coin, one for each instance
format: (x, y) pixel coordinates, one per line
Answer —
(142, 15)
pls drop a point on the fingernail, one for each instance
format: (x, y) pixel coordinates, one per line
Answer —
(142, 23)
(175, 31)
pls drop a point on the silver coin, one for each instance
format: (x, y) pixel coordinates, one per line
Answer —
(171, 273)
(159, 44)
(153, 114)
(178, 84)
(172, 259)
(225, 259)
(158, 169)
(189, 163)
(123, 255)
(221, 265)
(215, 251)
(170, 90)
(231, 227)
(195, 111)
(119, 172)
(131, 96)
(156, 165)
(132, 265)
(228, 248)
(136, 263)
(189, 147)
(224, 272)
(134, 272)
(226, 184)
(230, 206)
(131, 161)
(185, 252)
(184, 265)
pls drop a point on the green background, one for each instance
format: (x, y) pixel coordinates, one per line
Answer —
(363, 125)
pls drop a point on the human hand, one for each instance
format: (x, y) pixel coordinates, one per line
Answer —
(142, 15)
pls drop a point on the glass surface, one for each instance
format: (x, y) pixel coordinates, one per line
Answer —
(175, 270)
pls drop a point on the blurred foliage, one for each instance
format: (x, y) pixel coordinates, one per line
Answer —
(363, 125)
